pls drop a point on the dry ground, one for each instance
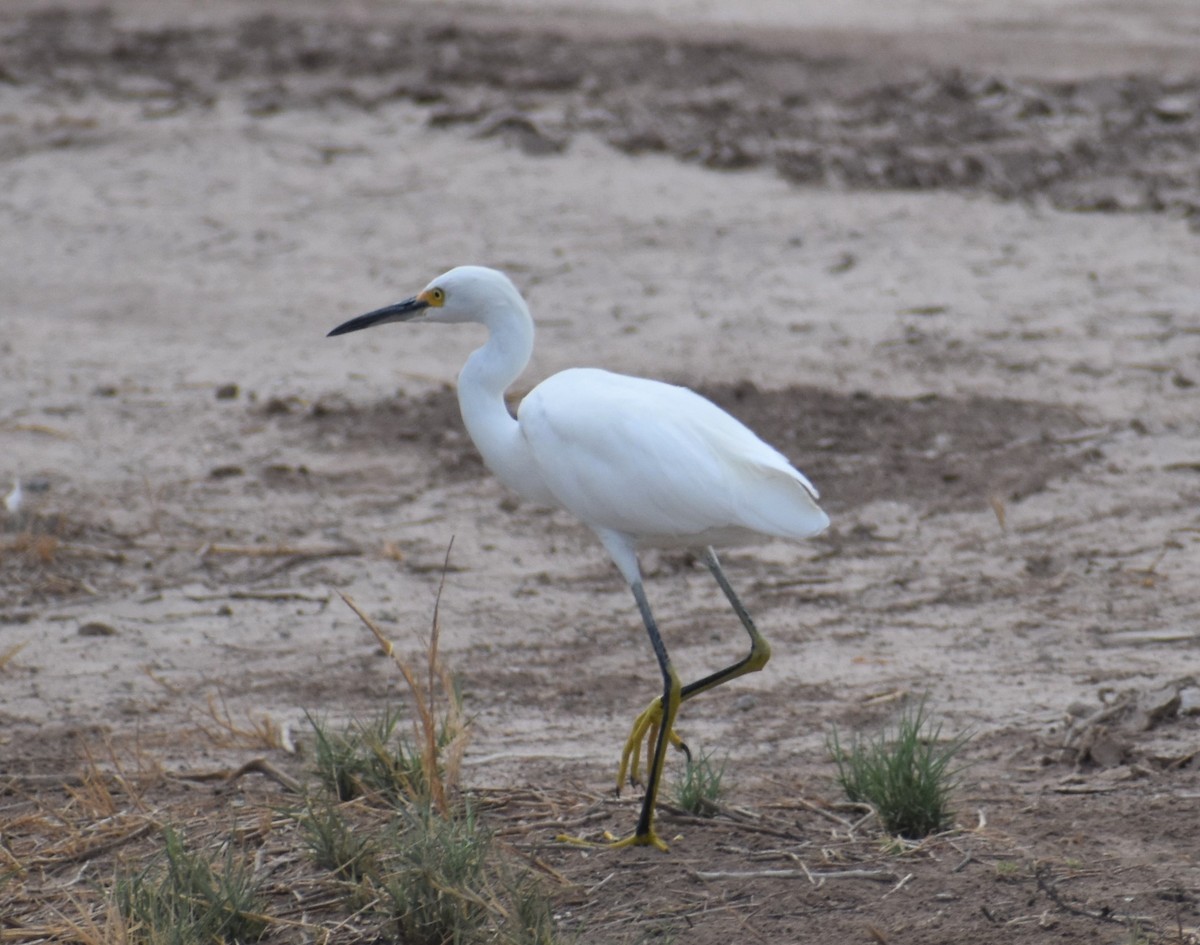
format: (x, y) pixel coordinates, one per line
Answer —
(960, 291)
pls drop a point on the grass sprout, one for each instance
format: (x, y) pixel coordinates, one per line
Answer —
(530, 917)
(183, 899)
(428, 879)
(369, 757)
(431, 871)
(701, 786)
(444, 881)
(337, 845)
(906, 775)
(436, 879)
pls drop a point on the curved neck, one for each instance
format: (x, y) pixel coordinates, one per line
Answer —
(503, 357)
(481, 385)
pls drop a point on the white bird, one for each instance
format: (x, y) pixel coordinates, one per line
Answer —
(640, 462)
(14, 500)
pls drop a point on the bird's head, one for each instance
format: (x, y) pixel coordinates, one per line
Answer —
(464, 294)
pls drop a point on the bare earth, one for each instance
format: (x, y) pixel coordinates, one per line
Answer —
(949, 268)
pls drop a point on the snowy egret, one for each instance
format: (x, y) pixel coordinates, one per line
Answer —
(640, 462)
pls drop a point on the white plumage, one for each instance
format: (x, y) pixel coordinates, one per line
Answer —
(639, 461)
(660, 463)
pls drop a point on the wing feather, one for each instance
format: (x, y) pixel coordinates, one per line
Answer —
(653, 460)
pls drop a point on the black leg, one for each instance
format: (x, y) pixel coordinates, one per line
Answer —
(657, 721)
(670, 705)
(760, 650)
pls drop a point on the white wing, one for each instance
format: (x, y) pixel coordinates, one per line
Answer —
(660, 463)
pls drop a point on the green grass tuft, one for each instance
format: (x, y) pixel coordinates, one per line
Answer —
(436, 877)
(907, 775)
(410, 851)
(531, 918)
(701, 786)
(428, 774)
(182, 899)
(335, 844)
(369, 758)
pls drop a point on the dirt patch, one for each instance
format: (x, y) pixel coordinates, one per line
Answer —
(1104, 144)
(56, 557)
(940, 453)
(427, 423)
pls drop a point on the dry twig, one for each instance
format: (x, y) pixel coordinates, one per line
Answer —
(882, 876)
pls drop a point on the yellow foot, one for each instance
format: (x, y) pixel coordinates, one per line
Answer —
(650, 839)
(645, 729)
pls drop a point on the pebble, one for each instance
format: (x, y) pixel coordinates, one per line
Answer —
(1174, 107)
(745, 702)
(97, 628)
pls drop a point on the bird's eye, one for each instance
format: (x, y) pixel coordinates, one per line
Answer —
(436, 297)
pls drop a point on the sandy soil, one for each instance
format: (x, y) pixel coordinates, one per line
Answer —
(959, 290)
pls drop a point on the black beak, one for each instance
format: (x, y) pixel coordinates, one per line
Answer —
(400, 312)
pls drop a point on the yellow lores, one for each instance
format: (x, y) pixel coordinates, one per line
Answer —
(640, 462)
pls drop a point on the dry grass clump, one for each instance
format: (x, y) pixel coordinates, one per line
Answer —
(30, 548)
(432, 763)
(50, 555)
(56, 829)
(255, 732)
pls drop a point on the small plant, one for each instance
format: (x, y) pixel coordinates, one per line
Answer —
(530, 914)
(1137, 937)
(369, 757)
(701, 787)
(433, 875)
(335, 845)
(442, 881)
(1007, 869)
(183, 900)
(906, 776)
(436, 877)
(440, 735)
